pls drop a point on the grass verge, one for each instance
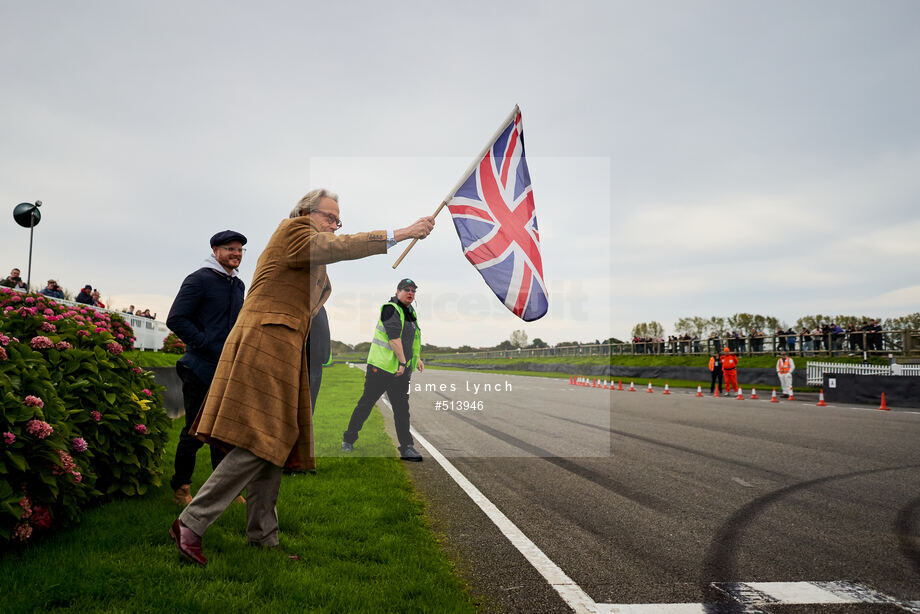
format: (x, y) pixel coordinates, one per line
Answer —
(153, 359)
(357, 524)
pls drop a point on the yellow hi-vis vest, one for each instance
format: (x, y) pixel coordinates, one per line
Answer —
(381, 355)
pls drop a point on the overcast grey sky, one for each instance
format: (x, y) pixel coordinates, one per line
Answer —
(688, 158)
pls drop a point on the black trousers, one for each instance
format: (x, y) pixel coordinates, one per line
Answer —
(193, 393)
(716, 375)
(318, 348)
(376, 382)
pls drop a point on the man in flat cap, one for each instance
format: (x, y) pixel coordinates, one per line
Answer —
(259, 401)
(202, 315)
(395, 352)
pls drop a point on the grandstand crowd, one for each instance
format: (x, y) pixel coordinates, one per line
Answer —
(867, 336)
(88, 295)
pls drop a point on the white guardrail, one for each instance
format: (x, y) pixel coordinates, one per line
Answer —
(148, 334)
(816, 370)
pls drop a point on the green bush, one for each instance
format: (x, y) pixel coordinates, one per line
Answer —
(79, 422)
(172, 344)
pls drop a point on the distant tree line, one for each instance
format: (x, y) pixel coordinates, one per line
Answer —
(696, 326)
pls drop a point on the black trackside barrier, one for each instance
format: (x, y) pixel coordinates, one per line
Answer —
(900, 390)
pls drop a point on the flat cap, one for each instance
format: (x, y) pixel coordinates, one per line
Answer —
(225, 236)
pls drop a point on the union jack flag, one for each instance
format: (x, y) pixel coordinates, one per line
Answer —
(493, 212)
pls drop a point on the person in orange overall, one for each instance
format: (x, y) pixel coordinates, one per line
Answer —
(730, 370)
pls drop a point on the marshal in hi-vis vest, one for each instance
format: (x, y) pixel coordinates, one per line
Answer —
(381, 355)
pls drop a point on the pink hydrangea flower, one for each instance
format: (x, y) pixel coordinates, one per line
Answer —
(119, 336)
(79, 444)
(133, 370)
(7, 309)
(41, 343)
(41, 517)
(114, 348)
(62, 345)
(26, 506)
(31, 401)
(2, 354)
(30, 300)
(48, 327)
(83, 333)
(4, 340)
(9, 438)
(22, 532)
(96, 415)
(48, 312)
(77, 477)
(141, 428)
(147, 392)
(15, 298)
(99, 329)
(38, 428)
(67, 461)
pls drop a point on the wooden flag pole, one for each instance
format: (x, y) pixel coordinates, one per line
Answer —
(466, 175)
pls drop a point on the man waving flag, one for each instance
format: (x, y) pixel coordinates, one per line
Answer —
(493, 212)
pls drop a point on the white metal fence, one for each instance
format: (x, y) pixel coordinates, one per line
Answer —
(148, 334)
(816, 370)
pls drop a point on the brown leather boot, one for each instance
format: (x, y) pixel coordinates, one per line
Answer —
(183, 495)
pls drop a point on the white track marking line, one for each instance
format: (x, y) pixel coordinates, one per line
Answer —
(742, 482)
(676, 608)
(570, 592)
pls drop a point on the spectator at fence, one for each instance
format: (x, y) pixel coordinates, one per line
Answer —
(96, 297)
(14, 280)
(86, 295)
(806, 342)
(130, 310)
(52, 290)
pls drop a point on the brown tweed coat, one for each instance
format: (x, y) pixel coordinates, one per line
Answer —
(260, 396)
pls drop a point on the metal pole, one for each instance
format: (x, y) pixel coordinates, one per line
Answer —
(31, 233)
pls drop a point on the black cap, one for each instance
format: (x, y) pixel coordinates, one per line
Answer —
(225, 236)
(406, 283)
(88, 287)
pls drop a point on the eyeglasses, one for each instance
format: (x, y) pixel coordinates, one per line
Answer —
(331, 217)
(234, 250)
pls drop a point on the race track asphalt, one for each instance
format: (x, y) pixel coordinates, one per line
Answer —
(652, 499)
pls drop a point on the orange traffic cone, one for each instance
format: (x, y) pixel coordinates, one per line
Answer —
(753, 393)
(883, 405)
(821, 402)
(650, 387)
(620, 385)
(773, 399)
(716, 392)
(666, 389)
(571, 380)
(791, 395)
(740, 396)
(699, 390)
(632, 388)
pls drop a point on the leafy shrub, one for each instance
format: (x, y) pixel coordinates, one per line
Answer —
(78, 421)
(173, 345)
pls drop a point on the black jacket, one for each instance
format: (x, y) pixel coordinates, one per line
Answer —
(202, 315)
(83, 297)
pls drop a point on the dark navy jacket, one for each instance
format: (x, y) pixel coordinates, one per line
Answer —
(202, 315)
